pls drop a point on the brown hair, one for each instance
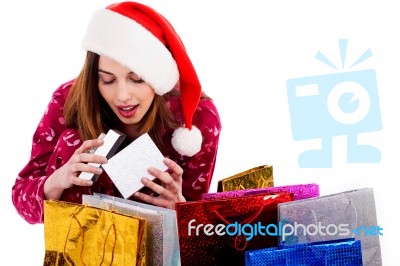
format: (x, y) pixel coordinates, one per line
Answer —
(86, 109)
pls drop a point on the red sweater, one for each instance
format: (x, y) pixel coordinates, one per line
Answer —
(53, 144)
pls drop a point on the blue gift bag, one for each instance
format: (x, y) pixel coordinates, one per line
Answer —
(346, 252)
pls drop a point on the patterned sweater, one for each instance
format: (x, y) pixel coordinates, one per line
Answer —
(53, 144)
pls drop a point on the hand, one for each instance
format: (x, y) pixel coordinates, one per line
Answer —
(67, 175)
(170, 190)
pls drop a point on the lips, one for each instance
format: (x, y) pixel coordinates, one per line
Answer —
(127, 111)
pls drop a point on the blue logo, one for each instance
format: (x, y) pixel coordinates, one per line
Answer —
(368, 231)
(325, 106)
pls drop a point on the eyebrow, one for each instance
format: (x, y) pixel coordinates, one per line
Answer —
(109, 73)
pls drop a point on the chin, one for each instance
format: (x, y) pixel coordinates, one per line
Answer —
(129, 121)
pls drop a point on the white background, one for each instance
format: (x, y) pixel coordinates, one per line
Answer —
(244, 51)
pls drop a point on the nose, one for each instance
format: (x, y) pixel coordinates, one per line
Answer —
(123, 93)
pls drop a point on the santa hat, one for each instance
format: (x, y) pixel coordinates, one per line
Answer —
(141, 39)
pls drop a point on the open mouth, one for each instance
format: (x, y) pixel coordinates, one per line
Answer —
(127, 111)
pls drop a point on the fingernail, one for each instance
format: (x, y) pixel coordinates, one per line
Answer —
(89, 182)
(166, 160)
(137, 194)
(100, 141)
(145, 180)
(104, 160)
(150, 170)
(99, 171)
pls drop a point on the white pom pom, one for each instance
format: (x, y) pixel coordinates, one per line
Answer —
(187, 142)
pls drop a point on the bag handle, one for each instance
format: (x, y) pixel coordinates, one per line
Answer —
(239, 238)
(74, 218)
(246, 221)
(355, 224)
(105, 240)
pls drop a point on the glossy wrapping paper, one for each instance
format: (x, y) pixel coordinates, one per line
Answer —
(202, 249)
(162, 232)
(81, 235)
(355, 209)
(329, 253)
(257, 177)
(301, 191)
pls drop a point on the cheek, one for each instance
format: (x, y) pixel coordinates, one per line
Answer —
(105, 93)
(101, 90)
(150, 97)
(146, 94)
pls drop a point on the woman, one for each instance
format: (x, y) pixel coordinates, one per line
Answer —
(137, 78)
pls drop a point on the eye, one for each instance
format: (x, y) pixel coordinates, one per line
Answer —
(107, 82)
(137, 80)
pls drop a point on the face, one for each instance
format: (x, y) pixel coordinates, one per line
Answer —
(125, 92)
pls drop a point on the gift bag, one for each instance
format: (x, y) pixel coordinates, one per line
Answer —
(328, 253)
(162, 232)
(81, 235)
(303, 191)
(337, 216)
(257, 177)
(217, 232)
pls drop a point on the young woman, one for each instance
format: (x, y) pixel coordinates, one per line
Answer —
(137, 78)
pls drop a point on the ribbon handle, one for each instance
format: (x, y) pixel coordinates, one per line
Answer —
(355, 223)
(240, 242)
(75, 218)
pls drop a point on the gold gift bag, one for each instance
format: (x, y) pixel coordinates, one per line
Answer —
(257, 177)
(77, 234)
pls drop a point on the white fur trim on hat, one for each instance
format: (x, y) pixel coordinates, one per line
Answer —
(124, 40)
(187, 142)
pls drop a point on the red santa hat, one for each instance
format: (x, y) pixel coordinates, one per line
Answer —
(141, 39)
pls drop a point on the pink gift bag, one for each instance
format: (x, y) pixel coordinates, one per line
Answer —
(301, 191)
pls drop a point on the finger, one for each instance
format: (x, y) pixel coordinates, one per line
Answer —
(162, 176)
(81, 182)
(153, 200)
(160, 190)
(89, 158)
(82, 167)
(177, 171)
(89, 145)
(171, 184)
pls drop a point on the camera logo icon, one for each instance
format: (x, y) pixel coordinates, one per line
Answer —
(325, 106)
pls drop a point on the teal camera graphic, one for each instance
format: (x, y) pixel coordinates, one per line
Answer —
(344, 103)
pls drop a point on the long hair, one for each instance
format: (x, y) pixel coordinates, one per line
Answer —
(86, 109)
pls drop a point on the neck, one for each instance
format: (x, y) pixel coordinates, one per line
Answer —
(131, 131)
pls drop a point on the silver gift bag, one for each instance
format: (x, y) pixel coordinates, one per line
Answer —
(349, 214)
(162, 231)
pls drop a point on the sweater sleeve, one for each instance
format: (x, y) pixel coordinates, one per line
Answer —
(199, 169)
(27, 192)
